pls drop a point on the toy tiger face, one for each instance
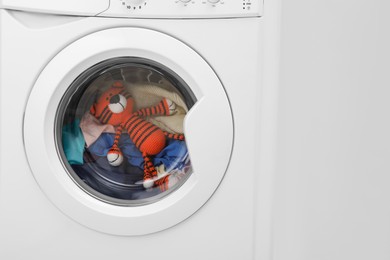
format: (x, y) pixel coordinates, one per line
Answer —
(114, 106)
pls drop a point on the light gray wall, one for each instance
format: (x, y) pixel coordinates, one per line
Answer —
(332, 181)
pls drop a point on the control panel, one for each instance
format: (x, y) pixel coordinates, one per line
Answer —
(184, 8)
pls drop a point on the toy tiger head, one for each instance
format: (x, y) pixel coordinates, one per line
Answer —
(114, 105)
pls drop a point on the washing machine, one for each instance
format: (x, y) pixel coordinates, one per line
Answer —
(128, 129)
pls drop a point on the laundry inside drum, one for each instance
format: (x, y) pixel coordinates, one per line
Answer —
(120, 131)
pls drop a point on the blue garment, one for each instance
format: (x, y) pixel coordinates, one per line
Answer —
(73, 143)
(173, 156)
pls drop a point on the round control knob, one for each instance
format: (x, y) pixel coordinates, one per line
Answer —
(135, 2)
(213, 1)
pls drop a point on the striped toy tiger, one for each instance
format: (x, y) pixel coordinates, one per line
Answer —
(115, 107)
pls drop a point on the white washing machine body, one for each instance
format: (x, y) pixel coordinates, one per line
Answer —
(212, 46)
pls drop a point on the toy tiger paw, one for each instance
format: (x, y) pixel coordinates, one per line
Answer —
(164, 180)
(115, 157)
(115, 107)
(171, 105)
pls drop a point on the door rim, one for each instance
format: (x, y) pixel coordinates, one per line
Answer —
(47, 167)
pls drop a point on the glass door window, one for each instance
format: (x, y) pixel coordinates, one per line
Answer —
(119, 131)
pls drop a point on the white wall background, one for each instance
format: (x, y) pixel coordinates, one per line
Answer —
(332, 182)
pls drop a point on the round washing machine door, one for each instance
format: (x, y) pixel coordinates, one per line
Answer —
(128, 131)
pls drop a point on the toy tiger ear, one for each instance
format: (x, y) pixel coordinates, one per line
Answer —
(92, 110)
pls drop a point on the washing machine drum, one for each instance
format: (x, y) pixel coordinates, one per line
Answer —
(121, 131)
(130, 133)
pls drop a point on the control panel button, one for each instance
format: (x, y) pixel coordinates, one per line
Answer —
(185, 1)
(213, 1)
